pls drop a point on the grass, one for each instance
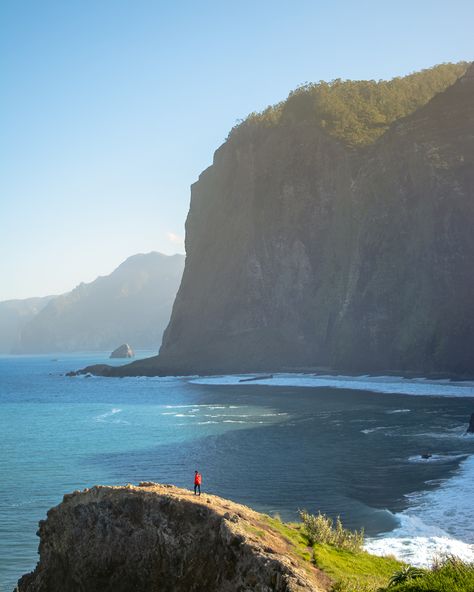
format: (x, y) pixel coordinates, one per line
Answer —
(351, 571)
(354, 571)
(359, 571)
(451, 575)
(293, 533)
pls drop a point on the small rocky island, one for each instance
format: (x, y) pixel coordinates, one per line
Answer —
(123, 351)
(160, 537)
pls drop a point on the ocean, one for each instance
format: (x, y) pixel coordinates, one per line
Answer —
(348, 446)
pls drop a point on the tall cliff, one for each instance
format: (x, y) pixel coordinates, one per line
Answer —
(132, 304)
(156, 537)
(304, 250)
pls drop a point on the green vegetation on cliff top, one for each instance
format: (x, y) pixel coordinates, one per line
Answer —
(359, 571)
(357, 112)
(350, 571)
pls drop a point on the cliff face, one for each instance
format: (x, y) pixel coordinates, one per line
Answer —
(132, 304)
(302, 252)
(163, 538)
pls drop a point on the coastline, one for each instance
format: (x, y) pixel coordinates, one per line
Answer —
(154, 366)
(111, 414)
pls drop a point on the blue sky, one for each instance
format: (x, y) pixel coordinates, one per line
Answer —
(111, 109)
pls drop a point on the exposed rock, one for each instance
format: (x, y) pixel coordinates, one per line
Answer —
(123, 351)
(470, 429)
(155, 537)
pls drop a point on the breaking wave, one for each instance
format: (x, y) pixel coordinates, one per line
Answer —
(437, 523)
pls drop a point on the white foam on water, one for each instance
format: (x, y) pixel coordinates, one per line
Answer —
(398, 411)
(185, 406)
(105, 416)
(437, 523)
(447, 433)
(376, 384)
(436, 458)
(370, 430)
(234, 421)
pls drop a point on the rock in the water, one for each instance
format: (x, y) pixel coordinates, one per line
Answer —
(470, 429)
(155, 537)
(124, 351)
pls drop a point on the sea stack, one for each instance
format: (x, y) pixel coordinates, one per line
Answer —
(123, 351)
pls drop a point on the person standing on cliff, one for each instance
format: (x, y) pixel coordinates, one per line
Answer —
(197, 482)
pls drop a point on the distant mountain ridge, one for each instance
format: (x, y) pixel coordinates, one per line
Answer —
(14, 315)
(132, 304)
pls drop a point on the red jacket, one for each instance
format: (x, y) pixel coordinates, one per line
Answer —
(197, 479)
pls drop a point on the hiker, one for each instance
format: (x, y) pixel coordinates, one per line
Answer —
(197, 482)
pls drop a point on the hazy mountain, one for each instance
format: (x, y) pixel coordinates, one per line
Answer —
(132, 305)
(14, 314)
(307, 248)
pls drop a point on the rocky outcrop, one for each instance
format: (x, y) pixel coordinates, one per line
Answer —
(133, 304)
(123, 351)
(157, 537)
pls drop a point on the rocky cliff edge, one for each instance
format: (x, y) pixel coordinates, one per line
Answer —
(159, 537)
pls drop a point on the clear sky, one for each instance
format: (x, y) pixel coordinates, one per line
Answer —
(110, 109)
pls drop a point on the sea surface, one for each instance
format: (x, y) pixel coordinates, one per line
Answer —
(348, 446)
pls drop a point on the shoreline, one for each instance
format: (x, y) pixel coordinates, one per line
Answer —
(152, 367)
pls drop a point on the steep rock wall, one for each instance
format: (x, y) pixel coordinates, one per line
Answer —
(161, 538)
(303, 253)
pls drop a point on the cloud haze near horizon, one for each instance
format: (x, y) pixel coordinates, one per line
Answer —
(110, 111)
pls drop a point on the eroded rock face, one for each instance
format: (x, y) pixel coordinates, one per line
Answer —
(161, 538)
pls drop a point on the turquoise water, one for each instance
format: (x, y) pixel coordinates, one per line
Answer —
(276, 448)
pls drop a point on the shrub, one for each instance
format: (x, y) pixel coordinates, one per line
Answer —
(406, 573)
(447, 575)
(320, 528)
